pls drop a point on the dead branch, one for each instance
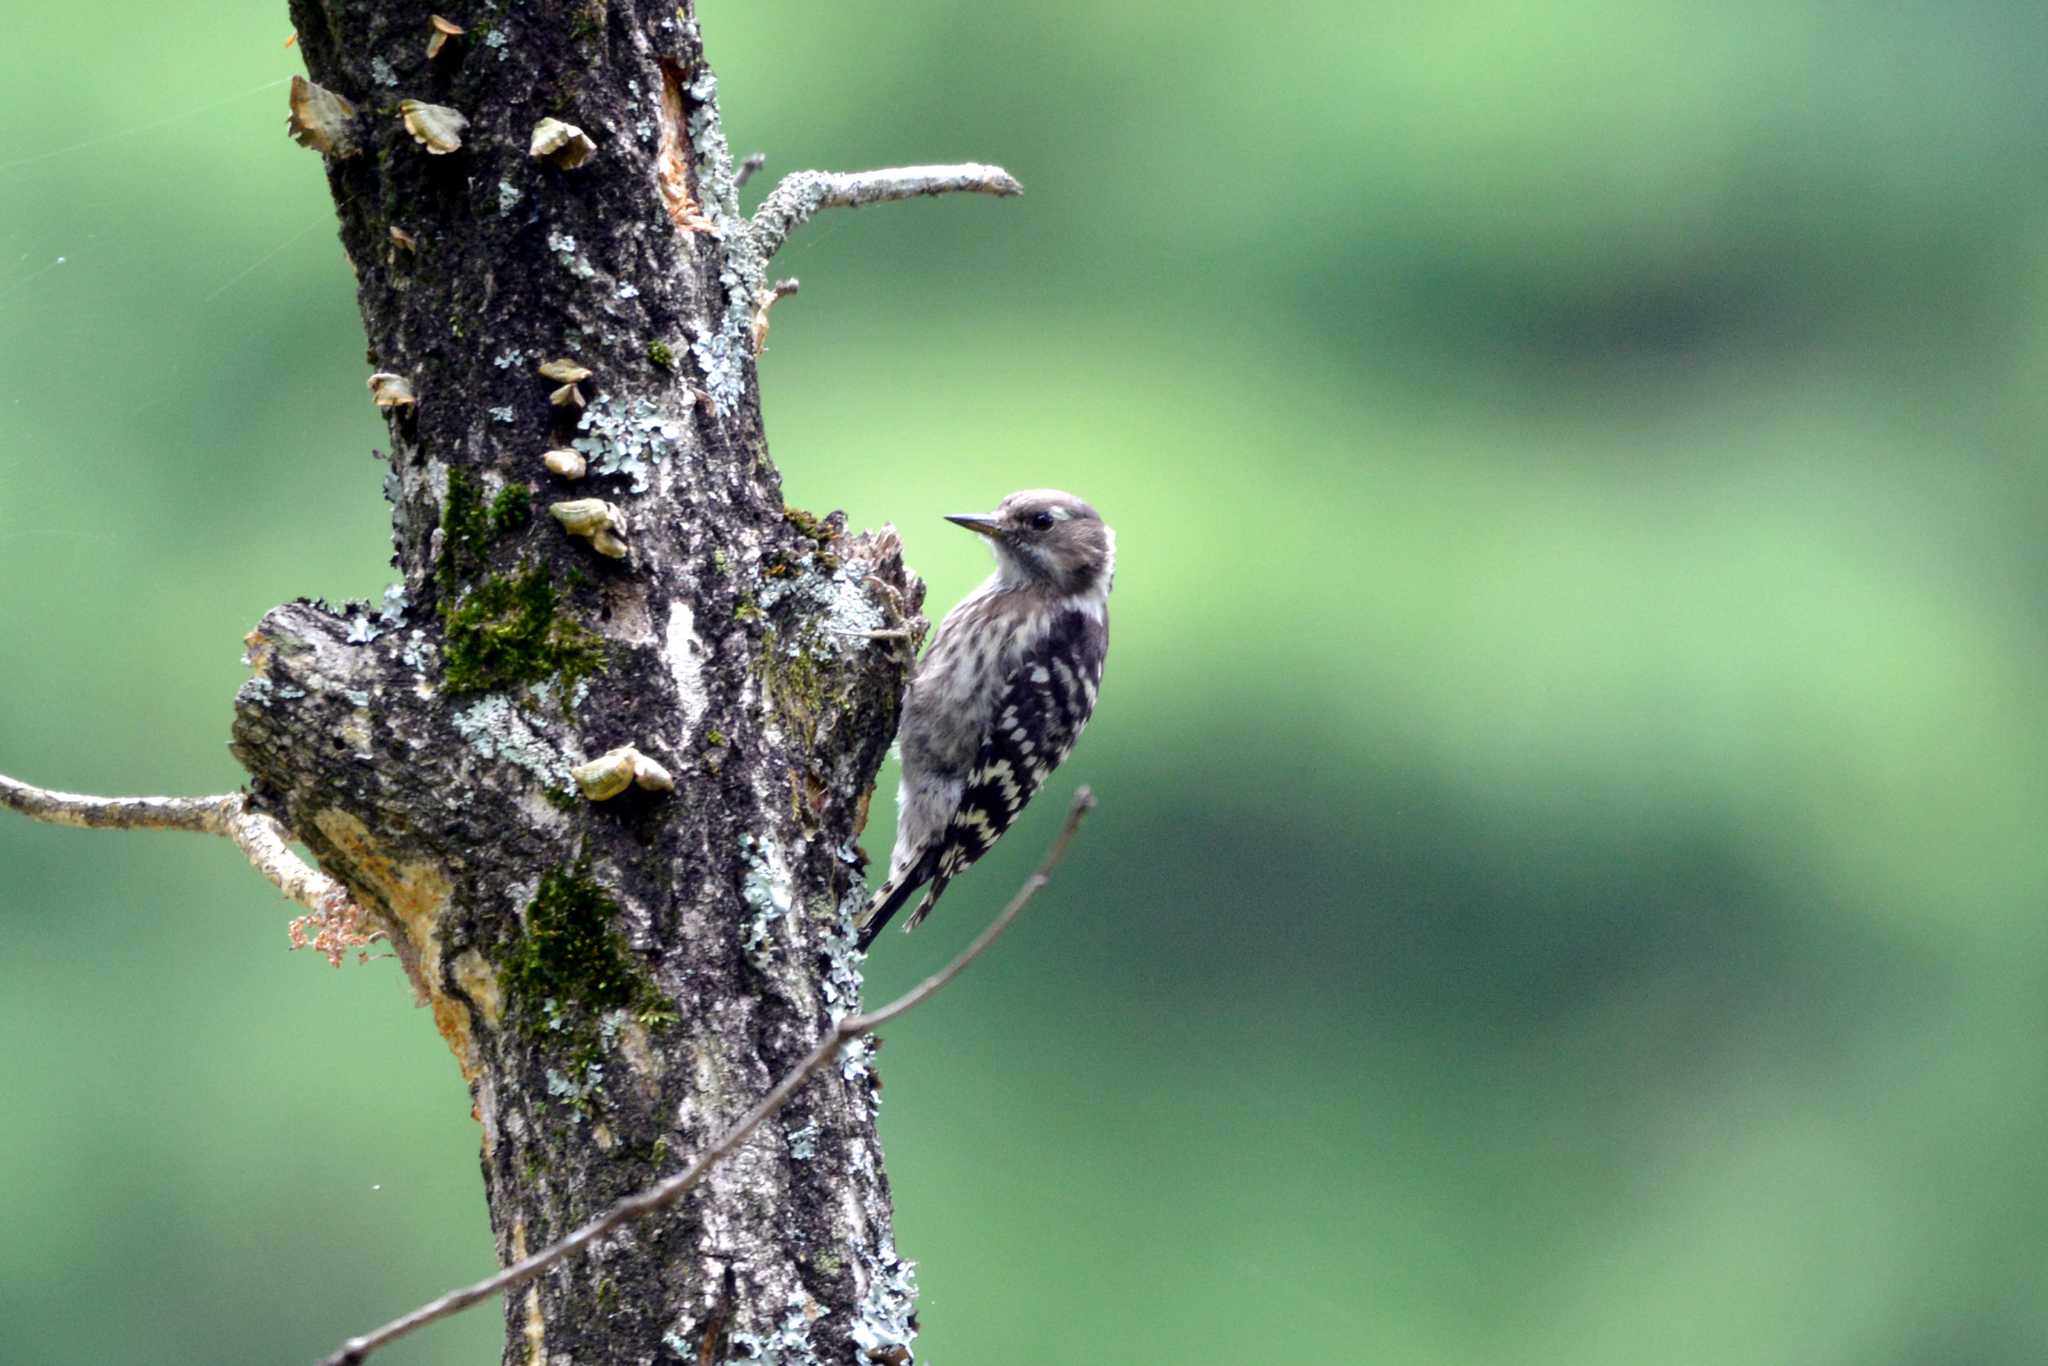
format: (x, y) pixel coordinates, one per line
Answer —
(262, 840)
(798, 196)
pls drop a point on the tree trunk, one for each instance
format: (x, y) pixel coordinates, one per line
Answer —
(618, 978)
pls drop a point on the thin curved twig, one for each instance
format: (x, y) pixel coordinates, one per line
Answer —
(667, 1192)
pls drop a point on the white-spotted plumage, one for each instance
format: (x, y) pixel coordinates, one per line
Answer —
(1001, 696)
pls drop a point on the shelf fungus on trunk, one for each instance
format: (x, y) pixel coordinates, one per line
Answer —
(601, 523)
(564, 144)
(569, 374)
(435, 127)
(563, 370)
(615, 770)
(391, 391)
(322, 120)
(566, 464)
(439, 31)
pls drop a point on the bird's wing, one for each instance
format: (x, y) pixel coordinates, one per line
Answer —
(1044, 706)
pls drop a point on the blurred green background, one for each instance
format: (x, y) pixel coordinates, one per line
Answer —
(1570, 880)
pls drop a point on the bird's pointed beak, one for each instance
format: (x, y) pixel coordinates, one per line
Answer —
(977, 522)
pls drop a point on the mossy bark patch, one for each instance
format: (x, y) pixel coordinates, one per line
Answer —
(508, 630)
(466, 531)
(470, 527)
(570, 952)
(511, 509)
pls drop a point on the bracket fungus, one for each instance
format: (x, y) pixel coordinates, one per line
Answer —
(439, 32)
(568, 374)
(593, 518)
(564, 144)
(566, 464)
(435, 127)
(562, 370)
(391, 391)
(614, 771)
(321, 120)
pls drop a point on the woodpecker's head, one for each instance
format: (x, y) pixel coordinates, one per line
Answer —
(1043, 537)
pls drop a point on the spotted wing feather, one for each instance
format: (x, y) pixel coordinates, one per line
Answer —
(1042, 711)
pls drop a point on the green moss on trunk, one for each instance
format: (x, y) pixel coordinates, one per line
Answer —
(508, 630)
(570, 951)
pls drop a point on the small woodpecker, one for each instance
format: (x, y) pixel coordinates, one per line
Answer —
(1002, 694)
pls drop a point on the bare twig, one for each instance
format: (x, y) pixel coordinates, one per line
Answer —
(766, 301)
(754, 162)
(667, 1192)
(206, 815)
(262, 840)
(792, 202)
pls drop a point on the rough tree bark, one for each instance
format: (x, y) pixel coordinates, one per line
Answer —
(617, 978)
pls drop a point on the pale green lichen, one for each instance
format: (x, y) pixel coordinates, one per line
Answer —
(842, 981)
(564, 247)
(724, 353)
(362, 628)
(886, 1322)
(838, 604)
(856, 1059)
(716, 183)
(496, 727)
(769, 892)
(722, 359)
(621, 438)
(419, 653)
(581, 1093)
(788, 1343)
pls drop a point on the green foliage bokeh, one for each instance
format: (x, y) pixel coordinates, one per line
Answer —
(1569, 879)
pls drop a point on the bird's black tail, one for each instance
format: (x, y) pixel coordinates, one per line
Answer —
(892, 896)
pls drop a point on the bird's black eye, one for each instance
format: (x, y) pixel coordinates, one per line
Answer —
(1042, 520)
